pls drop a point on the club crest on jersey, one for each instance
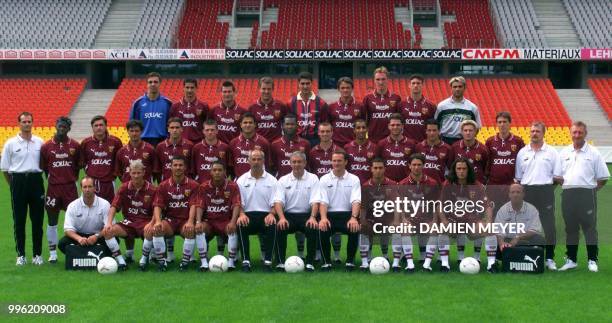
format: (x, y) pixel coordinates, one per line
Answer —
(472, 195)
(145, 155)
(302, 149)
(513, 147)
(477, 157)
(187, 193)
(424, 110)
(392, 103)
(277, 114)
(199, 112)
(186, 152)
(236, 116)
(147, 198)
(370, 155)
(111, 149)
(221, 154)
(356, 113)
(257, 147)
(442, 155)
(226, 194)
(407, 151)
(72, 151)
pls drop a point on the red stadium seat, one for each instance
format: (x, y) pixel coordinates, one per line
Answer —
(602, 88)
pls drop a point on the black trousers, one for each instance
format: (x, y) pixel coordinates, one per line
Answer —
(450, 140)
(28, 192)
(543, 198)
(579, 206)
(257, 226)
(65, 241)
(338, 222)
(153, 141)
(297, 222)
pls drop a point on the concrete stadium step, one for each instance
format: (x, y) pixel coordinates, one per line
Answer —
(119, 24)
(92, 102)
(581, 105)
(433, 37)
(555, 23)
(239, 37)
(329, 95)
(269, 16)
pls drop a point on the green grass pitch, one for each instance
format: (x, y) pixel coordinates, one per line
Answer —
(578, 296)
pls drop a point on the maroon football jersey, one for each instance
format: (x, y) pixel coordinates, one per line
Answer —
(218, 201)
(378, 109)
(478, 154)
(164, 152)
(98, 157)
(268, 118)
(395, 153)
(427, 189)
(308, 116)
(228, 120)
(475, 192)
(175, 198)
(192, 114)
(502, 158)
(438, 158)
(135, 203)
(145, 152)
(360, 159)
(203, 155)
(281, 150)
(415, 113)
(319, 159)
(342, 117)
(239, 152)
(372, 192)
(60, 160)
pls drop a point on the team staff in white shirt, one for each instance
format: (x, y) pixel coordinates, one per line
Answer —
(21, 167)
(257, 188)
(339, 209)
(538, 169)
(518, 211)
(584, 173)
(297, 203)
(85, 218)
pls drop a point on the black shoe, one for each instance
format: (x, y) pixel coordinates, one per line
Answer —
(246, 268)
(184, 266)
(162, 266)
(427, 269)
(326, 268)
(310, 268)
(421, 262)
(122, 267)
(129, 260)
(267, 268)
(142, 267)
(231, 268)
(492, 269)
(349, 268)
(444, 269)
(203, 269)
(396, 269)
(337, 261)
(364, 269)
(280, 268)
(409, 270)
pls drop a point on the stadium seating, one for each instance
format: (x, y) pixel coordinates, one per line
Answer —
(42, 24)
(335, 25)
(591, 19)
(158, 24)
(208, 91)
(473, 27)
(602, 88)
(527, 99)
(517, 24)
(199, 27)
(46, 99)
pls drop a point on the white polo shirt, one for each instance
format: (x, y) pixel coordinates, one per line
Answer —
(537, 167)
(450, 114)
(582, 167)
(339, 193)
(297, 195)
(84, 219)
(527, 215)
(257, 194)
(21, 156)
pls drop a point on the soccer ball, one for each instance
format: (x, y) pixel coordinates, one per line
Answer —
(294, 264)
(218, 264)
(469, 265)
(379, 266)
(107, 266)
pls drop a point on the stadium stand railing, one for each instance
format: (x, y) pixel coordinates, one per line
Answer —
(591, 19)
(46, 99)
(602, 88)
(46, 24)
(199, 27)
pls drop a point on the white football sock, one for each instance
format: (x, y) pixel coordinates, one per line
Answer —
(159, 244)
(232, 247)
(188, 249)
(491, 247)
(396, 247)
(200, 240)
(461, 241)
(52, 237)
(146, 250)
(113, 245)
(129, 253)
(443, 247)
(364, 246)
(477, 247)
